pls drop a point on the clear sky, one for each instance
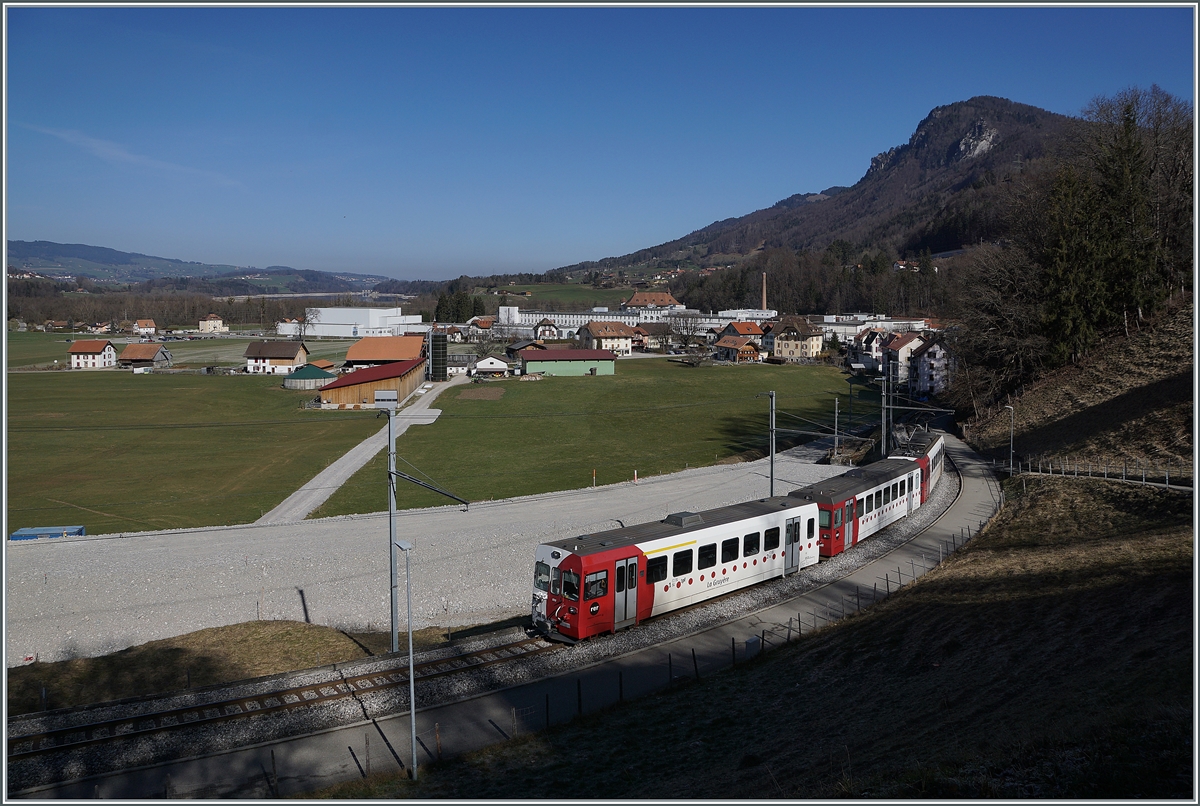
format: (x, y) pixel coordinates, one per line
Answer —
(433, 142)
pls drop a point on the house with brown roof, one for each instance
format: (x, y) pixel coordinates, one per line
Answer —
(929, 369)
(356, 390)
(545, 329)
(737, 349)
(896, 354)
(92, 354)
(744, 330)
(614, 336)
(275, 357)
(322, 364)
(145, 327)
(651, 299)
(376, 350)
(156, 356)
(213, 324)
(795, 340)
(653, 336)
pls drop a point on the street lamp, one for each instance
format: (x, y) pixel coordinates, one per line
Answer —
(406, 547)
(1012, 422)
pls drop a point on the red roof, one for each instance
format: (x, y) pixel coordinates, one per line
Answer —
(380, 373)
(567, 355)
(88, 346)
(746, 328)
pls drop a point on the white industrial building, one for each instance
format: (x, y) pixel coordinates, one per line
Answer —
(353, 323)
(512, 319)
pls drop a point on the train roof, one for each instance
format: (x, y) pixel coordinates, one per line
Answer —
(675, 524)
(851, 483)
(919, 444)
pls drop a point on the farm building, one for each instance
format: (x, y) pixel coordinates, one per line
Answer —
(737, 349)
(492, 366)
(92, 354)
(275, 357)
(373, 351)
(213, 324)
(156, 356)
(308, 376)
(321, 363)
(357, 389)
(568, 362)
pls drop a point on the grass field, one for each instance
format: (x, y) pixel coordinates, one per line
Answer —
(1050, 658)
(41, 349)
(120, 452)
(652, 416)
(551, 296)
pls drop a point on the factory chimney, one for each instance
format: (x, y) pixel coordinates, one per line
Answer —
(764, 305)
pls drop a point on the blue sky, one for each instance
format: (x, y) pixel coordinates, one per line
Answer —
(433, 142)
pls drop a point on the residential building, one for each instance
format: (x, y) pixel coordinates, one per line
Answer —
(275, 357)
(155, 356)
(896, 354)
(213, 324)
(929, 369)
(356, 390)
(795, 340)
(459, 363)
(545, 329)
(375, 350)
(745, 330)
(92, 354)
(568, 362)
(654, 336)
(145, 327)
(614, 336)
(737, 349)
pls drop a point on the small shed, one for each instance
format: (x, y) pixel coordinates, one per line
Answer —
(308, 377)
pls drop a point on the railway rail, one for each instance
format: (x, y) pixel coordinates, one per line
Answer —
(69, 738)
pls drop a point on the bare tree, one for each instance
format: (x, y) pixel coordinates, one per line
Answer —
(687, 326)
(312, 317)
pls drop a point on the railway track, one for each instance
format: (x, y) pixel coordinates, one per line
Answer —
(69, 738)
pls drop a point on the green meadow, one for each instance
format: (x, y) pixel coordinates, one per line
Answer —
(654, 416)
(41, 350)
(119, 452)
(547, 295)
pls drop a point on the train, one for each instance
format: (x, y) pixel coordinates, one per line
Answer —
(603, 582)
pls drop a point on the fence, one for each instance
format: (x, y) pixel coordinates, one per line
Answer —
(1168, 472)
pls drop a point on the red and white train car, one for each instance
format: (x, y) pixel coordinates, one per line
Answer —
(927, 449)
(604, 582)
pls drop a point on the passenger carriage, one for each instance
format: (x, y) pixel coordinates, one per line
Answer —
(928, 450)
(603, 582)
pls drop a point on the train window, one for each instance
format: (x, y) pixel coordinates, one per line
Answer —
(878, 498)
(681, 563)
(571, 585)
(729, 550)
(894, 491)
(887, 495)
(541, 576)
(656, 570)
(824, 518)
(619, 579)
(771, 539)
(837, 517)
(555, 581)
(810, 529)
(867, 503)
(903, 482)
(706, 557)
(750, 544)
(595, 586)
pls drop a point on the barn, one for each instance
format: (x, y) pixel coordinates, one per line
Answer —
(356, 390)
(568, 362)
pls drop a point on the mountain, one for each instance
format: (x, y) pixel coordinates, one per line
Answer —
(72, 260)
(936, 191)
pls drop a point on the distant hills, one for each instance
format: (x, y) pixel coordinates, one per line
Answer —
(936, 192)
(72, 260)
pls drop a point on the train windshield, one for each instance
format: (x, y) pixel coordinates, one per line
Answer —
(824, 519)
(541, 576)
(570, 585)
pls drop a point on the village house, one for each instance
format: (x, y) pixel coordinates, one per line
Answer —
(929, 369)
(213, 324)
(511, 352)
(137, 356)
(92, 354)
(614, 336)
(896, 354)
(459, 363)
(275, 357)
(744, 330)
(867, 346)
(545, 329)
(737, 349)
(654, 336)
(145, 327)
(795, 340)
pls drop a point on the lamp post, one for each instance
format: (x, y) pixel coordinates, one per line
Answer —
(1012, 422)
(406, 547)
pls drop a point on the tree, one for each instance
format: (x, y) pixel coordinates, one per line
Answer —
(687, 327)
(312, 316)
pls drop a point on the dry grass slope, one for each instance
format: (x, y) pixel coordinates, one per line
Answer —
(1132, 397)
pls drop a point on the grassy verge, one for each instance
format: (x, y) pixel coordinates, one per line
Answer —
(652, 417)
(1051, 658)
(204, 658)
(122, 452)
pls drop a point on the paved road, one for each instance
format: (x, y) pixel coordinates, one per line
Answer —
(298, 505)
(306, 763)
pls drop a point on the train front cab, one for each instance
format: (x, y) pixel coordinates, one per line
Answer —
(578, 596)
(837, 523)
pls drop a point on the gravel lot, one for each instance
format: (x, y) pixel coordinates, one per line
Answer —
(107, 592)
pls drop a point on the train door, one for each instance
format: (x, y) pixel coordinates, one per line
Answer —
(791, 549)
(625, 593)
(851, 524)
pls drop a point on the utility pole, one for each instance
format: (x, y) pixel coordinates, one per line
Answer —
(772, 438)
(835, 425)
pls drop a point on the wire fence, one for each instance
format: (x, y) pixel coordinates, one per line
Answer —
(1169, 472)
